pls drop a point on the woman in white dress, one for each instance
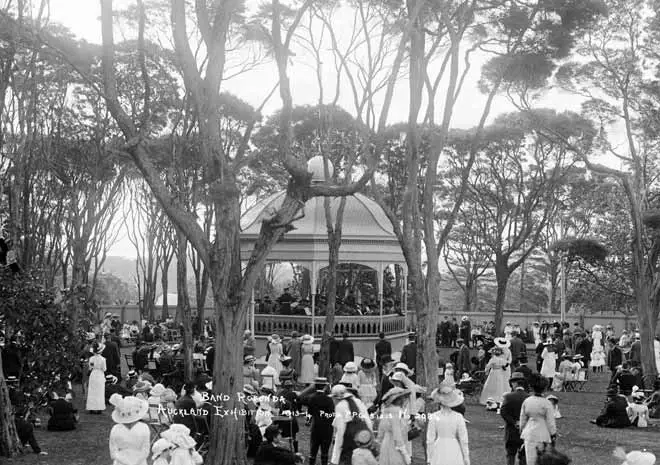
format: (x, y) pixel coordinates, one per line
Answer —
(129, 438)
(446, 433)
(275, 352)
(307, 361)
(537, 419)
(505, 344)
(536, 331)
(368, 377)
(96, 384)
(549, 366)
(497, 383)
(393, 429)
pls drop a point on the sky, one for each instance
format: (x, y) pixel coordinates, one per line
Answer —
(82, 17)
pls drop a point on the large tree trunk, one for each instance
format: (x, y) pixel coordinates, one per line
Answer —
(470, 302)
(502, 276)
(647, 320)
(9, 443)
(333, 260)
(183, 303)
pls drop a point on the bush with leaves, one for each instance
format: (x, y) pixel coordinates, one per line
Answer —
(42, 327)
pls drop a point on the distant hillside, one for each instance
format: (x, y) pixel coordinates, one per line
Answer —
(124, 269)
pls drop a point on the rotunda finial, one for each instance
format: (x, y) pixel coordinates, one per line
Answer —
(315, 166)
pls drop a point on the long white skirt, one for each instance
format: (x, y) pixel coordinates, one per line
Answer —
(306, 369)
(446, 451)
(96, 391)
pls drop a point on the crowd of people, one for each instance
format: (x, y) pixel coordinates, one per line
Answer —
(367, 411)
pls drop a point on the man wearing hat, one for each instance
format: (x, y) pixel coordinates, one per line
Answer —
(383, 347)
(271, 452)
(347, 409)
(409, 353)
(524, 369)
(320, 409)
(345, 352)
(518, 349)
(636, 350)
(112, 356)
(465, 329)
(294, 350)
(510, 412)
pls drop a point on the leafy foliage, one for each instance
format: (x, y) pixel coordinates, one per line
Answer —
(42, 326)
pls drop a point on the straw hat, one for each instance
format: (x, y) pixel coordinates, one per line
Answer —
(249, 358)
(447, 396)
(275, 338)
(394, 394)
(350, 367)
(158, 390)
(339, 391)
(179, 435)
(168, 396)
(320, 380)
(142, 386)
(553, 398)
(112, 379)
(502, 343)
(307, 338)
(99, 349)
(517, 376)
(249, 390)
(636, 457)
(403, 367)
(398, 376)
(128, 409)
(363, 438)
(160, 446)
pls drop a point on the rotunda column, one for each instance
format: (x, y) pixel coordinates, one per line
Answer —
(313, 286)
(380, 295)
(252, 312)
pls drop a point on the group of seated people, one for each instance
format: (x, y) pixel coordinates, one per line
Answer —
(629, 408)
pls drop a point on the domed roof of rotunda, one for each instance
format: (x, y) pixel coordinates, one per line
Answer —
(367, 234)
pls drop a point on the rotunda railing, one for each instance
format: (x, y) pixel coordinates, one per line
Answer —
(355, 325)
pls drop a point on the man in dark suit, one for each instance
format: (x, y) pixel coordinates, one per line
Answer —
(453, 333)
(615, 414)
(524, 369)
(345, 351)
(510, 412)
(615, 357)
(385, 381)
(383, 347)
(409, 352)
(320, 413)
(518, 349)
(463, 362)
(445, 327)
(636, 351)
(112, 356)
(271, 453)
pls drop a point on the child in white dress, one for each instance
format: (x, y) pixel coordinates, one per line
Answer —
(638, 412)
(129, 438)
(449, 375)
(184, 452)
(161, 452)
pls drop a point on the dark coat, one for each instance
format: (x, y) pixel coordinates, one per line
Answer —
(112, 358)
(463, 363)
(345, 352)
(294, 350)
(409, 355)
(615, 358)
(383, 347)
(510, 412)
(270, 454)
(321, 409)
(636, 352)
(526, 371)
(615, 414)
(334, 350)
(518, 349)
(62, 416)
(584, 348)
(626, 381)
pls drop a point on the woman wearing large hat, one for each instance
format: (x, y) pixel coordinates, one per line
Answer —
(129, 438)
(393, 429)
(307, 360)
(505, 345)
(549, 366)
(497, 383)
(275, 352)
(96, 384)
(368, 378)
(446, 434)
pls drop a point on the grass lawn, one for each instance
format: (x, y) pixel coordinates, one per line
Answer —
(585, 443)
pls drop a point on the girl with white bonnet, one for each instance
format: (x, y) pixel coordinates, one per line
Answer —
(350, 375)
(161, 452)
(446, 434)
(156, 408)
(368, 382)
(636, 457)
(129, 438)
(184, 452)
(307, 362)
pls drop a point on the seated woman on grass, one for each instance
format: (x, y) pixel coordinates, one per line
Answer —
(615, 413)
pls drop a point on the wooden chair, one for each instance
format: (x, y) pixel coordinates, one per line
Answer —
(157, 422)
(578, 384)
(129, 361)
